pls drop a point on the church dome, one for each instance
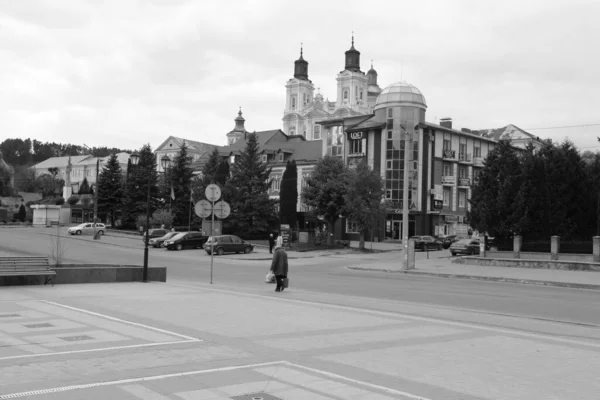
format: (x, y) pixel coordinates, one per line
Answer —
(400, 93)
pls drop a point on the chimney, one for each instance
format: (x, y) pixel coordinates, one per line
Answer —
(446, 122)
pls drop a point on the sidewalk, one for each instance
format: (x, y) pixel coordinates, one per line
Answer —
(444, 267)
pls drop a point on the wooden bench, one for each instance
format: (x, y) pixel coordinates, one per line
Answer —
(27, 266)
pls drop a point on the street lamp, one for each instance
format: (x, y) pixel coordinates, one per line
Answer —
(165, 162)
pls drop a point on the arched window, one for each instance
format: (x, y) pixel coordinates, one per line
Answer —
(345, 95)
(293, 102)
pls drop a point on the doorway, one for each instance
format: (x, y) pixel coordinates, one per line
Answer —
(393, 229)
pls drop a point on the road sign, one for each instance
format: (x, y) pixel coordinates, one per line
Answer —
(222, 209)
(203, 208)
(213, 192)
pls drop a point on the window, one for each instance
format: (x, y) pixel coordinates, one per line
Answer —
(390, 123)
(388, 164)
(390, 112)
(477, 150)
(447, 144)
(388, 194)
(345, 95)
(352, 227)
(263, 158)
(361, 94)
(476, 174)
(293, 102)
(292, 131)
(462, 198)
(317, 132)
(276, 183)
(356, 146)
(447, 170)
(280, 156)
(390, 135)
(462, 172)
(462, 149)
(447, 197)
(303, 98)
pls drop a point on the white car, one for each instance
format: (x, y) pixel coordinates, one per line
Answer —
(87, 229)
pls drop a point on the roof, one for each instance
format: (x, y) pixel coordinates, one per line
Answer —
(262, 138)
(194, 146)
(59, 162)
(398, 93)
(509, 132)
(443, 128)
(368, 123)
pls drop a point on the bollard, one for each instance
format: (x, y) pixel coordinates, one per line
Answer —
(517, 244)
(554, 247)
(596, 240)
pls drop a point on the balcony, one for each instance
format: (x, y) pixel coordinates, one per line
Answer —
(478, 161)
(449, 155)
(448, 180)
(464, 182)
(464, 157)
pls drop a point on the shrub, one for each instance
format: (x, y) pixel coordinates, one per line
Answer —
(59, 201)
(73, 200)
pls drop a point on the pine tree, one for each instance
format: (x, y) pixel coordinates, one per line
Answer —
(363, 199)
(84, 188)
(180, 175)
(110, 189)
(222, 173)
(288, 195)
(136, 191)
(247, 193)
(209, 169)
(325, 189)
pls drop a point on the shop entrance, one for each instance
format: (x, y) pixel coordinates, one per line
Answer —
(393, 229)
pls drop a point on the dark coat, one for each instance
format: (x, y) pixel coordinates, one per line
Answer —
(279, 265)
(271, 241)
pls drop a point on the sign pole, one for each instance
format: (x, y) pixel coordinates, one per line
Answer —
(212, 244)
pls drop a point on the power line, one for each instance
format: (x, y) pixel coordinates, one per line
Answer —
(561, 127)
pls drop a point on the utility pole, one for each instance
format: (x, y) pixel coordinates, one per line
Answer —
(408, 142)
(96, 236)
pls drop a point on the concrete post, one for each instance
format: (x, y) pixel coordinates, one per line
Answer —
(554, 247)
(517, 243)
(596, 240)
(411, 254)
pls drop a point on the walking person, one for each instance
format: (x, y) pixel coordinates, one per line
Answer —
(279, 266)
(271, 243)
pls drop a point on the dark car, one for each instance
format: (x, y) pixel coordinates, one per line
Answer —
(186, 240)
(154, 233)
(158, 242)
(427, 243)
(465, 246)
(227, 244)
(447, 240)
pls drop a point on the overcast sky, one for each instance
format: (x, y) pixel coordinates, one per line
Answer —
(124, 73)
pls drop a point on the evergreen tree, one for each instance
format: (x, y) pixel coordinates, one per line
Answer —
(180, 176)
(136, 191)
(492, 198)
(84, 188)
(363, 199)
(288, 195)
(110, 189)
(247, 193)
(209, 169)
(528, 201)
(222, 173)
(325, 189)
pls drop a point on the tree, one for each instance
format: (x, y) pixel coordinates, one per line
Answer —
(223, 172)
(363, 198)
(209, 169)
(247, 192)
(136, 192)
(288, 195)
(84, 188)
(162, 217)
(180, 176)
(16, 151)
(25, 179)
(325, 189)
(492, 199)
(110, 189)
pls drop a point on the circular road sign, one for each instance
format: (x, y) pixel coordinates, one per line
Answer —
(222, 209)
(203, 208)
(213, 192)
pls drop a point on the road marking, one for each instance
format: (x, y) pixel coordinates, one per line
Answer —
(207, 371)
(134, 346)
(509, 331)
(135, 380)
(123, 321)
(356, 381)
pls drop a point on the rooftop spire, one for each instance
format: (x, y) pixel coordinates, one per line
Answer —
(353, 58)
(301, 66)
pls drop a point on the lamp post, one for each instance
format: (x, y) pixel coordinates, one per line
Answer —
(408, 141)
(165, 162)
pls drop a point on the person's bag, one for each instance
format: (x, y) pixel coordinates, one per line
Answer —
(270, 278)
(286, 282)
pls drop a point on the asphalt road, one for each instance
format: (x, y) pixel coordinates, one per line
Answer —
(328, 280)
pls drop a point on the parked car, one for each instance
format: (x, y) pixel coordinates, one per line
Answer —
(186, 240)
(465, 246)
(447, 240)
(427, 243)
(158, 242)
(227, 244)
(87, 229)
(154, 233)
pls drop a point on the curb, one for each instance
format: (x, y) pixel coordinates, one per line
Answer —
(490, 278)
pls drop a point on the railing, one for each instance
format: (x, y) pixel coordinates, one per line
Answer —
(464, 182)
(451, 154)
(464, 157)
(448, 180)
(478, 161)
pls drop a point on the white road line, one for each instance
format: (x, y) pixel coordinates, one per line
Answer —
(356, 381)
(123, 321)
(135, 380)
(134, 346)
(509, 331)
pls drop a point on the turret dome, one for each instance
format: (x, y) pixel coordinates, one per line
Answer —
(400, 93)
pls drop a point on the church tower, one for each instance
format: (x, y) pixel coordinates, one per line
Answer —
(352, 84)
(238, 131)
(299, 96)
